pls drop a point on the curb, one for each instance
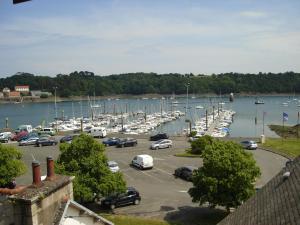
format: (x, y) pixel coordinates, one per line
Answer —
(277, 153)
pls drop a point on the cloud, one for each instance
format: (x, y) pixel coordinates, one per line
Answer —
(136, 38)
(253, 14)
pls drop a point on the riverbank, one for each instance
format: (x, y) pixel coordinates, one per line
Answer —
(144, 96)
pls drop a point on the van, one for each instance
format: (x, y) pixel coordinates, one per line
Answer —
(98, 132)
(142, 161)
(27, 128)
(47, 130)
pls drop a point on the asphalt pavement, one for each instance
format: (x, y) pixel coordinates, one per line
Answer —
(161, 192)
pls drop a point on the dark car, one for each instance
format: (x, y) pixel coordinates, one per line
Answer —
(67, 139)
(127, 142)
(44, 141)
(131, 196)
(185, 172)
(111, 141)
(159, 136)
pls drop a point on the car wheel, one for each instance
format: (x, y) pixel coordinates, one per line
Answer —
(122, 146)
(112, 206)
(156, 148)
(136, 202)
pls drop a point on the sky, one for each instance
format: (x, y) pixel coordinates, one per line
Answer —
(48, 37)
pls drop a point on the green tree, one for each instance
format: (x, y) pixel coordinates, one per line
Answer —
(227, 176)
(11, 165)
(84, 158)
(198, 145)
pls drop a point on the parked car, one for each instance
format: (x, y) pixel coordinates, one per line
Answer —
(249, 144)
(113, 166)
(97, 132)
(131, 196)
(67, 139)
(142, 161)
(47, 130)
(44, 141)
(164, 143)
(28, 141)
(111, 141)
(5, 136)
(159, 136)
(19, 135)
(185, 172)
(127, 142)
(29, 135)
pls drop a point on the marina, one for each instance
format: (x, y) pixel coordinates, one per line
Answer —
(216, 116)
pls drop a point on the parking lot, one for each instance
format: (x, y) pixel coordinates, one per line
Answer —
(160, 191)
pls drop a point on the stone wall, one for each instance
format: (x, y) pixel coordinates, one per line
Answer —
(6, 211)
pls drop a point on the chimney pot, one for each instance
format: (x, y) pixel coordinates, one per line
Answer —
(36, 173)
(50, 168)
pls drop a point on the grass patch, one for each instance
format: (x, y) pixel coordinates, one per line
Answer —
(132, 220)
(187, 153)
(286, 131)
(287, 146)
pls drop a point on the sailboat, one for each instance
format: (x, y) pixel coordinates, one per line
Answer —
(259, 101)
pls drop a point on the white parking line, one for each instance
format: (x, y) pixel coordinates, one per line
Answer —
(160, 159)
(182, 191)
(163, 171)
(151, 176)
(128, 176)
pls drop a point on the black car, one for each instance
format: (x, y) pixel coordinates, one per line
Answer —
(159, 136)
(131, 196)
(127, 142)
(111, 141)
(185, 172)
(67, 138)
(44, 141)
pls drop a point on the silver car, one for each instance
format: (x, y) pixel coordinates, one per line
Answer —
(164, 143)
(249, 144)
(29, 141)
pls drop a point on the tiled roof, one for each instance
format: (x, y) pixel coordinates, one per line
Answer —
(278, 202)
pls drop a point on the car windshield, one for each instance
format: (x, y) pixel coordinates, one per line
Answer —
(113, 165)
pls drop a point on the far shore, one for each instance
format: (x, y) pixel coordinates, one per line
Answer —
(28, 99)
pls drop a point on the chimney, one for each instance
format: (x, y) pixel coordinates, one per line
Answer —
(36, 173)
(50, 168)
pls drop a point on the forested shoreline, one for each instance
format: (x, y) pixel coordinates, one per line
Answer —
(87, 83)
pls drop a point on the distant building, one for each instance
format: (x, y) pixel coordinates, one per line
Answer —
(22, 88)
(38, 93)
(14, 94)
(6, 92)
(277, 203)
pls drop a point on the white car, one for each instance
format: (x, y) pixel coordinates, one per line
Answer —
(113, 166)
(142, 161)
(5, 136)
(164, 143)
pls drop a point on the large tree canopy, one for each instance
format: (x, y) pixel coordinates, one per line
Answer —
(11, 165)
(85, 83)
(227, 176)
(84, 158)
